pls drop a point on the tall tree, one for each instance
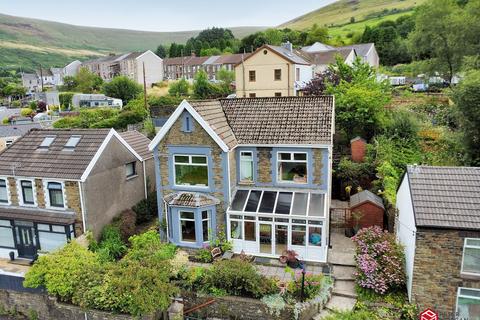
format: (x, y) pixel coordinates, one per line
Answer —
(161, 51)
(122, 88)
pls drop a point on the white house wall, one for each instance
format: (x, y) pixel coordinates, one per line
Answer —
(406, 229)
(306, 74)
(153, 68)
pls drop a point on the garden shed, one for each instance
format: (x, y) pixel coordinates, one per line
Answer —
(371, 209)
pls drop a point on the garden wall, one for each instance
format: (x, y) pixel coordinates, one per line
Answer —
(42, 307)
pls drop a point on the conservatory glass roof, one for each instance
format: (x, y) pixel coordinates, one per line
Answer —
(298, 203)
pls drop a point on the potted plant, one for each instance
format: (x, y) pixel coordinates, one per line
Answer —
(290, 258)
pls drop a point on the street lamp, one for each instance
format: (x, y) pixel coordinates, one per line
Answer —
(304, 270)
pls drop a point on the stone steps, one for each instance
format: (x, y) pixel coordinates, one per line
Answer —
(343, 273)
(338, 303)
(345, 288)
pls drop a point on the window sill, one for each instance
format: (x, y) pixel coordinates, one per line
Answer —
(470, 276)
(246, 183)
(131, 177)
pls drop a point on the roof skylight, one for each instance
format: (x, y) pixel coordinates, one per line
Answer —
(72, 142)
(47, 141)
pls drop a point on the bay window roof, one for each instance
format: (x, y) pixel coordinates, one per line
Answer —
(279, 202)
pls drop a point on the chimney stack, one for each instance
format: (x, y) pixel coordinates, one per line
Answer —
(288, 45)
(358, 148)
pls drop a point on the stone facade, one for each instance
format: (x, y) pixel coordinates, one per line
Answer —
(73, 203)
(318, 166)
(437, 267)
(264, 165)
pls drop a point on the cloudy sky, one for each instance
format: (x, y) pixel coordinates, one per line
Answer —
(162, 15)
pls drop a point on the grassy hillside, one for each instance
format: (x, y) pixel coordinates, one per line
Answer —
(340, 13)
(26, 42)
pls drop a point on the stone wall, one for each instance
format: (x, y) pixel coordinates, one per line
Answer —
(437, 266)
(318, 166)
(29, 305)
(73, 203)
(264, 165)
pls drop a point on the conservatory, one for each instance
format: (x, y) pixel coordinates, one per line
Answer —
(265, 222)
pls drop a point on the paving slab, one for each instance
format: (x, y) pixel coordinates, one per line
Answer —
(341, 303)
(343, 272)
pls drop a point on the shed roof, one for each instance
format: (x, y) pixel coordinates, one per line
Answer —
(366, 196)
(445, 197)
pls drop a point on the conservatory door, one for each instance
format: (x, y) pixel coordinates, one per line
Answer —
(265, 238)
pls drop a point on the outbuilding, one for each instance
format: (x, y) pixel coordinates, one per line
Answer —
(371, 208)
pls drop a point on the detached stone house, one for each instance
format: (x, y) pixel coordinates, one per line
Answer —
(257, 169)
(56, 184)
(439, 225)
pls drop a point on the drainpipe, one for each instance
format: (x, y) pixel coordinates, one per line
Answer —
(288, 79)
(82, 207)
(158, 184)
(145, 179)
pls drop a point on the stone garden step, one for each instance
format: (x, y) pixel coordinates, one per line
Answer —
(324, 313)
(345, 286)
(343, 272)
(341, 303)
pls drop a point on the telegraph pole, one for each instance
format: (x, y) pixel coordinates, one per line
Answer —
(41, 76)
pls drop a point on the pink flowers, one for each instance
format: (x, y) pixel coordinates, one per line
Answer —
(379, 260)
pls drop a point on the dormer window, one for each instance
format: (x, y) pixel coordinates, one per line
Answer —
(47, 141)
(72, 142)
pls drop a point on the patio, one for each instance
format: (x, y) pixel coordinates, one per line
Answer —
(7, 267)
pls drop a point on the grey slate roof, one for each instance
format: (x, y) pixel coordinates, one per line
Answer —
(361, 48)
(295, 56)
(328, 57)
(212, 112)
(365, 196)
(285, 120)
(17, 130)
(28, 160)
(446, 197)
(139, 142)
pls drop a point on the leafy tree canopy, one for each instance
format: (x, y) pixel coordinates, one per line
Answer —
(122, 87)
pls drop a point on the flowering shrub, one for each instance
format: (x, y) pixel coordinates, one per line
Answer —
(379, 260)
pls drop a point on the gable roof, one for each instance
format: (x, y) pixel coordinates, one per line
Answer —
(294, 56)
(281, 120)
(365, 196)
(24, 157)
(328, 57)
(317, 47)
(261, 121)
(139, 142)
(362, 49)
(445, 197)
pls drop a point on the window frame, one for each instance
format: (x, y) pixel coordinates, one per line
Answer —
(250, 73)
(208, 219)
(180, 219)
(22, 194)
(277, 77)
(48, 202)
(8, 202)
(190, 163)
(134, 171)
(458, 296)
(465, 245)
(292, 156)
(252, 161)
(12, 228)
(297, 74)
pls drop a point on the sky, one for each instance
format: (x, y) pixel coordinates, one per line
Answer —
(162, 15)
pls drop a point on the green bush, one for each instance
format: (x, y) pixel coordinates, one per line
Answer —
(111, 246)
(27, 112)
(146, 209)
(126, 224)
(203, 255)
(239, 278)
(313, 285)
(122, 87)
(66, 99)
(179, 88)
(59, 272)
(148, 245)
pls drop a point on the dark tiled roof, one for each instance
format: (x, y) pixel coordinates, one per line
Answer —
(26, 159)
(190, 199)
(285, 120)
(232, 58)
(38, 215)
(447, 197)
(365, 196)
(212, 112)
(139, 142)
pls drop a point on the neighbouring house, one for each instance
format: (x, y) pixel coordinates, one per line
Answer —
(11, 132)
(51, 98)
(135, 65)
(187, 67)
(439, 226)
(366, 51)
(322, 59)
(139, 142)
(56, 184)
(370, 208)
(258, 170)
(95, 101)
(273, 71)
(31, 82)
(72, 68)
(46, 78)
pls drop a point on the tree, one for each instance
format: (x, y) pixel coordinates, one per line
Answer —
(317, 34)
(226, 77)
(179, 88)
(123, 88)
(69, 83)
(467, 100)
(88, 82)
(161, 51)
(444, 33)
(201, 86)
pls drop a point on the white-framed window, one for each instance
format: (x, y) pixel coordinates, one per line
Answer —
(468, 303)
(73, 141)
(190, 170)
(236, 227)
(55, 194)
(131, 169)
(206, 225)
(297, 74)
(187, 226)
(471, 256)
(6, 234)
(27, 192)
(292, 167)
(246, 166)
(47, 141)
(4, 191)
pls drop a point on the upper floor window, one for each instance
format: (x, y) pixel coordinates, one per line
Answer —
(55, 194)
(471, 256)
(3, 191)
(252, 76)
(278, 94)
(277, 74)
(252, 95)
(130, 169)
(27, 192)
(292, 167)
(191, 170)
(297, 74)
(47, 142)
(246, 166)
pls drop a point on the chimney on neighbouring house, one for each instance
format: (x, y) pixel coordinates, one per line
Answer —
(358, 148)
(288, 45)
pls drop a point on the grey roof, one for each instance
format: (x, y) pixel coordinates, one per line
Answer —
(295, 56)
(362, 48)
(37, 215)
(8, 112)
(281, 120)
(328, 57)
(26, 159)
(317, 47)
(17, 130)
(365, 196)
(190, 199)
(212, 112)
(139, 142)
(446, 197)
